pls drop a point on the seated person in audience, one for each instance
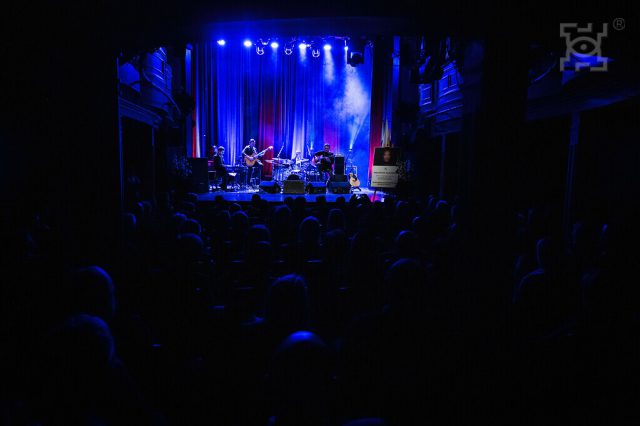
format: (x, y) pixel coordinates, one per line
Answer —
(540, 299)
(84, 382)
(300, 382)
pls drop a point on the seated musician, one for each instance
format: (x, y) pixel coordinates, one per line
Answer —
(221, 170)
(213, 151)
(324, 160)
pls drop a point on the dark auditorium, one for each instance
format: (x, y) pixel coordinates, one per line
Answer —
(335, 213)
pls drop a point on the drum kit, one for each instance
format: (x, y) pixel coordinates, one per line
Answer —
(283, 168)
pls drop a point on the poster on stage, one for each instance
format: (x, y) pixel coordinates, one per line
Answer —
(385, 167)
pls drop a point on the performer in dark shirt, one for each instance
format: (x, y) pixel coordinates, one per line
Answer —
(250, 151)
(324, 160)
(221, 170)
(213, 151)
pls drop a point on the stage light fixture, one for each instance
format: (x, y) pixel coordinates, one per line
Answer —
(356, 55)
(315, 52)
(274, 44)
(260, 50)
(221, 42)
(288, 49)
(302, 45)
(247, 43)
(327, 46)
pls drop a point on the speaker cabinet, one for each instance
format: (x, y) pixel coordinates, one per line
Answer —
(338, 164)
(316, 188)
(199, 174)
(293, 187)
(270, 187)
(336, 187)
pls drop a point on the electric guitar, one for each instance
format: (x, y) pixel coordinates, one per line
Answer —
(251, 160)
(354, 181)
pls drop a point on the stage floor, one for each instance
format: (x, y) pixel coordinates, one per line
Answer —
(244, 195)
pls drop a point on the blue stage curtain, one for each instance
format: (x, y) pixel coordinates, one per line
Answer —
(291, 102)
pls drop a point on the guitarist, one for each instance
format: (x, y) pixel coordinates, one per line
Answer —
(324, 160)
(251, 153)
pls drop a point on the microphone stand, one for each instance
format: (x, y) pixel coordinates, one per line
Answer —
(277, 169)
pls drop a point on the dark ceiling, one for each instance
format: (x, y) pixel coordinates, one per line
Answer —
(130, 22)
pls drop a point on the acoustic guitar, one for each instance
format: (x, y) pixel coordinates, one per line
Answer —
(251, 160)
(354, 181)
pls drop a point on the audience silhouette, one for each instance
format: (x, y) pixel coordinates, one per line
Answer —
(296, 313)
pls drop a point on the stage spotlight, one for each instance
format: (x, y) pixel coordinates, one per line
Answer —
(355, 58)
(274, 44)
(221, 42)
(356, 55)
(288, 49)
(302, 45)
(247, 43)
(327, 46)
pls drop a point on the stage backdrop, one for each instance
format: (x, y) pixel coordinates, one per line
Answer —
(291, 102)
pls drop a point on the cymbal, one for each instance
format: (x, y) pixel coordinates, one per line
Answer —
(268, 161)
(302, 161)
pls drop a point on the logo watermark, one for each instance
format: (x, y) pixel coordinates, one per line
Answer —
(584, 46)
(619, 24)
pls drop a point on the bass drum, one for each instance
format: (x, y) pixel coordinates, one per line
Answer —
(295, 174)
(312, 174)
(297, 171)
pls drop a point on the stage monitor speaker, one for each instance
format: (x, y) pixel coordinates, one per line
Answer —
(338, 164)
(316, 188)
(199, 174)
(339, 178)
(339, 187)
(270, 187)
(293, 187)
